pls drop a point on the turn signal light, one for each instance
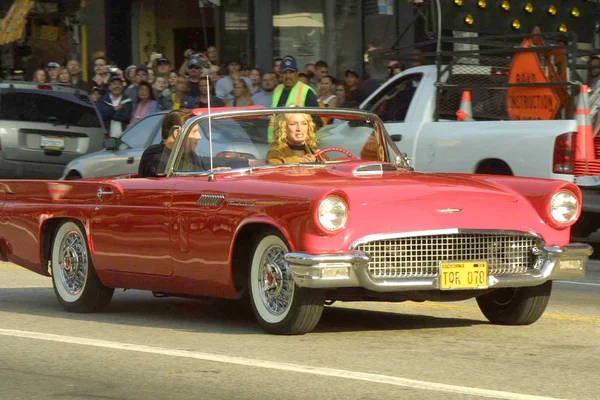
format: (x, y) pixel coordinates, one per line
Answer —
(482, 3)
(552, 10)
(575, 12)
(516, 24)
(528, 7)
(505, 5)
(469, 20)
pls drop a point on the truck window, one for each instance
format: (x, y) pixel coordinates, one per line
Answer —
(391, 105)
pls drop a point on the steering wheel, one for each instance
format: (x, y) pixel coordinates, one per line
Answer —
(319, 154)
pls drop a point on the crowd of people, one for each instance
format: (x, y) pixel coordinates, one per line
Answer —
(124, 97)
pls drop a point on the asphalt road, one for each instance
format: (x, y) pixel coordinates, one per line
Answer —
(147, 348)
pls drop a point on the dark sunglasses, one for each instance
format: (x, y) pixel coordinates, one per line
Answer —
(194, 67)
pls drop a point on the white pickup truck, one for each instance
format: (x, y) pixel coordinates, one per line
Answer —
(544, 149)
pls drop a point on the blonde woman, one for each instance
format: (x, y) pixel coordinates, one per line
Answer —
(40, 76)
(295, 139)
(241, 95)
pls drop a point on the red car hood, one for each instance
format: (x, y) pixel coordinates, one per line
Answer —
(389, 187)
(402, 201)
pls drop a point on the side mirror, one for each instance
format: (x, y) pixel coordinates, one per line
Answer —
(396, 138)
(111, 143)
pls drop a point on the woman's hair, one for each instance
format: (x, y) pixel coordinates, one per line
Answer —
(144, 83)
(35, 75)
(245, 85)
(331, 78)
(173, 119)
(281, 131)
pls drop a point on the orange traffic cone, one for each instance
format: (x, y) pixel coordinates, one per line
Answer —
(584, 146)
(465, 111)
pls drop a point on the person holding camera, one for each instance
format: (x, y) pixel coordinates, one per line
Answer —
(101, 76)
(224, 86)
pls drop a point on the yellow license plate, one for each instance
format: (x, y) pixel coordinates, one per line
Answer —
(455, 275)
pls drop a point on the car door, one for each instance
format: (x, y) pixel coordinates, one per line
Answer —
(131, 225)
(202, 233)
(126, 158)
(392, 105)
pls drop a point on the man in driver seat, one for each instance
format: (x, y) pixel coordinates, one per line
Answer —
(295, 139)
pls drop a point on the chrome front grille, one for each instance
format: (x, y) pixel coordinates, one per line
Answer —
(420, 256)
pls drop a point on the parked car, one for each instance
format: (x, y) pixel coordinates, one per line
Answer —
(121, 156)
(43, 127)
(357, 224)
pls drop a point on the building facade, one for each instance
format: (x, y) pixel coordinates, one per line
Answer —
(341, 32)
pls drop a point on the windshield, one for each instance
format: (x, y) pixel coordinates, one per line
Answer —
(285, 138)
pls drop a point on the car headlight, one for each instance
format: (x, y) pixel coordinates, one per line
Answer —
(564, 207)
(332, 213)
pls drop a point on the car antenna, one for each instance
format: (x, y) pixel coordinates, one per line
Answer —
(211, 174)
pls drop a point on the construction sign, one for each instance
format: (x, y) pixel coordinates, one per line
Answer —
(527, 103)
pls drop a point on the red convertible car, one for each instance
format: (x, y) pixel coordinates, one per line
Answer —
(327, 210)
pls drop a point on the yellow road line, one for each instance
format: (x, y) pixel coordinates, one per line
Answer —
(560, 317)
(10, 266)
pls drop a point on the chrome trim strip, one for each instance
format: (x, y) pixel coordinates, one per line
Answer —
(433, 232)
(210, 200)
(306, 271)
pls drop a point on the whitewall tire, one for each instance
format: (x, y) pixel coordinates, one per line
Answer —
(279, 305)
(74, 278)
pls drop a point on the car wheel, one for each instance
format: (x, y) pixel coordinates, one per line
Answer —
(279, 305)
(76, 285)
(515, 306)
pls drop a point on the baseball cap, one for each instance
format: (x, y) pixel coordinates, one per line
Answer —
(289, 64)
(115, 78)
(194, 62)
(163, 60)
(141, 68)
(53, 64)
(352, 72)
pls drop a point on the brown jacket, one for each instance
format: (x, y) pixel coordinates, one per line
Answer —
(283, 154)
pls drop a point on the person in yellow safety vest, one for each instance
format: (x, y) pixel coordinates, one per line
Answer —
(291, 92)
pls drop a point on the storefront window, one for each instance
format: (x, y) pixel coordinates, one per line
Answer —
(236, 32)
(382, 22)
(314, 30)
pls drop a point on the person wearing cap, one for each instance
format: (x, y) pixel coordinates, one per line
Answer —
(53, 69)
(352, 93)
(141, 75)
(292, 92)
(163, 65)
(115, 107)
(224, 86)
(95, 94)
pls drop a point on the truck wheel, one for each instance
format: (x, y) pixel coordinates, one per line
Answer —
(279, 305)
(73, 175)
(76, 285)
(515, 306)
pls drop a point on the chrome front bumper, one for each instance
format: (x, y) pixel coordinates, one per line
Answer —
(350, 269)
